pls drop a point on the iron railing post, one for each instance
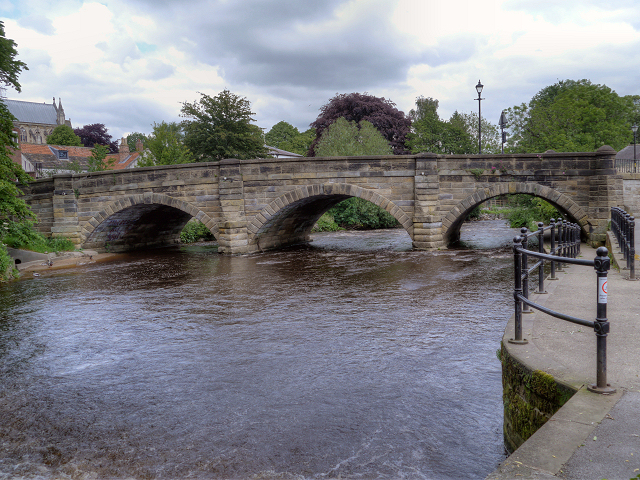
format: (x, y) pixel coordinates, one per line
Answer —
(552, 249)
(601, 327)
(632, 249)
(541, 266)
(517, 291)
(559, 245)
(525, 269)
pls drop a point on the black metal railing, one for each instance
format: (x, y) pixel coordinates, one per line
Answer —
(623, 227)
(570, 249)
(627, 165)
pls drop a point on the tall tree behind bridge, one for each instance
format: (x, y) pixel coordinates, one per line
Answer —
(393, 124)
(285, 136)
(165, 146)
(220, 127)
(572, 116)
(431, 134)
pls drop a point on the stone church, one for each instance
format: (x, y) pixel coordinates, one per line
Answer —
(36, 120)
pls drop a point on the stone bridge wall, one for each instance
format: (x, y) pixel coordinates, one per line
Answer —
(631, 194)
(261, 204)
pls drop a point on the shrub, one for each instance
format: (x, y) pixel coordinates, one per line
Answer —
(326, 223)
(195, 231)
(359, 214)
(22, 235)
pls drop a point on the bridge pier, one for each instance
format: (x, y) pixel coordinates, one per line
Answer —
(427, 220)
(65, 209)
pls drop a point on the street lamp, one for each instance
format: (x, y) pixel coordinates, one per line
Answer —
(479, 90)
(635, 129)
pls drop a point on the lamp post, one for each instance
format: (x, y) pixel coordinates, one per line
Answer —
(635, 129)
(479, 90)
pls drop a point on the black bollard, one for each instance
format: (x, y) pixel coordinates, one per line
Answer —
(601, 327)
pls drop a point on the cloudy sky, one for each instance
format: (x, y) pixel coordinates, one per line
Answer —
(130, 63)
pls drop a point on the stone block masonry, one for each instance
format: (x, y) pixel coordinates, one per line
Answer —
(261, 204)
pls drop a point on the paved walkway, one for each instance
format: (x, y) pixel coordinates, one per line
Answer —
(592, 436)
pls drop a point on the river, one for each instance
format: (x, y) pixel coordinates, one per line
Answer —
(353, 357)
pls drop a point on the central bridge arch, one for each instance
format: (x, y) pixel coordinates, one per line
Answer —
(289, 218)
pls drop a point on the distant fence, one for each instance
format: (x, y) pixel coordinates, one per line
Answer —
(627, 165)
(567, 248)
(623, 227)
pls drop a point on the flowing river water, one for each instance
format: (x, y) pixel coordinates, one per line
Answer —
(353, 357)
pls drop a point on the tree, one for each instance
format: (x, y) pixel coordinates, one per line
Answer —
(63, 135)
(220, 127)
(165, 146)
(133, 138)
(97, 161)
(281, 133)
(10, 68)
(96, 134)
(352, 139)
(393, 124)
(431, 134)
(285, 136)
(14, 212)
(572, 116)
(491, 140)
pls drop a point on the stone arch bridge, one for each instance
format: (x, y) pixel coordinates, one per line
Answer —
(262, 204)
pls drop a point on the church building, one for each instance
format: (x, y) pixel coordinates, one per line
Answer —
(36, 120)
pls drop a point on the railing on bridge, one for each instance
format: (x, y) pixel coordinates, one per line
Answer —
(566, 251)
(623, 227)
(627, 165)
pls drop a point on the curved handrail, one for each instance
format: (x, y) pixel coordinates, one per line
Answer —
(570, 244)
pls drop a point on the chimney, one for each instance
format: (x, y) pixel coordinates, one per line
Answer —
(139, 146)
(123, 149)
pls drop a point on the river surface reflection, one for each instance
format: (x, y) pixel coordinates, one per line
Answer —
(353, 357)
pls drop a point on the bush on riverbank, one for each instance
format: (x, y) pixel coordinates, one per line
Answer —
(522, 211)
(195, 231)
(21, 235)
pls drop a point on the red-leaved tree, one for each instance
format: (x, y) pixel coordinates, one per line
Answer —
(393, 124)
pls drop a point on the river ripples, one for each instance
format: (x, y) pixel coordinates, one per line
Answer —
(353, 357)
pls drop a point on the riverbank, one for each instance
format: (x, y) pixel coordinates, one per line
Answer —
(63, 260)
(591, 436)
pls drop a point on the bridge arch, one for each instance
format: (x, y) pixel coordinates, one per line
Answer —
(290, 217)
(454, 218)
(142, 220)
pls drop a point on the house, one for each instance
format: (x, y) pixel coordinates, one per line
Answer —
(47, 160)
(35, 121)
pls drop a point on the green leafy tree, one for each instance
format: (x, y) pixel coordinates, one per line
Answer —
(281, 133)
(285, 136)
(572, 116)
(431, 134)
(14, 212)
(352, 139)
(63, 135)
(220, 127)
(10, 68)
(132, 139)
(96, 162)
(165, 146)
(491, 141)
